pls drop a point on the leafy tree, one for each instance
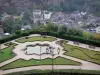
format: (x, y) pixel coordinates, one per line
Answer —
(76, 32)
(27, 17)
(8, 24)
(62, 29)
(55, 28)
(96, 36)
(15, 27)
(49, 27)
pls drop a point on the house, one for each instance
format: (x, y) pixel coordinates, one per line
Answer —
(83, 13)
(58, 17)
(98, 29)
(75, 16)
(37, 16)
(47, 15)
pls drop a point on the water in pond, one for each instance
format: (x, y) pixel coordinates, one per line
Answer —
(37, 50)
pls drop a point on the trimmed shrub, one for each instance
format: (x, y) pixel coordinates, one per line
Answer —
(55, 34)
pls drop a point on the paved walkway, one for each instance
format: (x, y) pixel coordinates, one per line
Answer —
(85, 64)
(8, 61)
(1, 72)
(2, 46)
(49, 67)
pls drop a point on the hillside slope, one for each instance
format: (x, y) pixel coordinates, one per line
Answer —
(57, 5)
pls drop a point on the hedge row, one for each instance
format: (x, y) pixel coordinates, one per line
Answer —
(55, 34)
(57, 72)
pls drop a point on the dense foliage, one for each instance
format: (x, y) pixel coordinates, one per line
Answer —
(61, 32)
(11, 25)
(55, 5)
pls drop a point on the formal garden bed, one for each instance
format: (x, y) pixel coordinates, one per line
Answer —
(7, 53)
(10, 44)
(81, 53)
(35, 38)
(33, 62)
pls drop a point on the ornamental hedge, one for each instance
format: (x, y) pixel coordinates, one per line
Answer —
(57, 72)
(55, 34)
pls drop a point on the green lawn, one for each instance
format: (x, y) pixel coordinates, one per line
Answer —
(23, 63)
(35, 38)
(81, 53)
(6, 54)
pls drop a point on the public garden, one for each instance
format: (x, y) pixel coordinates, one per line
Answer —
(36, 52)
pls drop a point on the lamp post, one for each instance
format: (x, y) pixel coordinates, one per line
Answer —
(52, 60)
(40, 53)
(87, 43)
(88, 48)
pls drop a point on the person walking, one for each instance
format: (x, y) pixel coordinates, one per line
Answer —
(47, 50)
(58, 50)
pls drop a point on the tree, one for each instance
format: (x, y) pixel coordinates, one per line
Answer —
(49, 27)
(8, 24)
(55, 28)
(62, 29)
(15, 27)
(75, 32)
(26, 17)
(11, 25)
(96, 36)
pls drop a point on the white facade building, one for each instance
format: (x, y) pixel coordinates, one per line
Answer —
(98, 29)
(37, 16)
(47, 15)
